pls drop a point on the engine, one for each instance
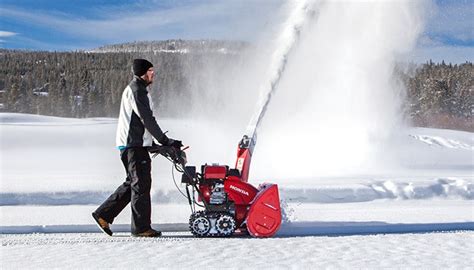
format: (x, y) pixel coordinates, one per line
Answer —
(218, 195)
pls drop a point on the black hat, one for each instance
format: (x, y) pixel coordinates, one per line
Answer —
(141, 66)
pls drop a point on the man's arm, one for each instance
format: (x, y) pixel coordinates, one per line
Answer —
(149, 121)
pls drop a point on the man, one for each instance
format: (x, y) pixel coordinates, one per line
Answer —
(136, 132)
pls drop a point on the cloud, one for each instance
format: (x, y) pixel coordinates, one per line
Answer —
(450, 54)
(448, 34)
(147, 20)
(7, 34)
(427, 41)
(452, 22)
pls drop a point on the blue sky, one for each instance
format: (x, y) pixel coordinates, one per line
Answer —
(85, 24)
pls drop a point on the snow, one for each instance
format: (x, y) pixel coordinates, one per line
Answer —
(56, 171)
(438, 250)
(440, 141)
(400, 212)
(357, 188)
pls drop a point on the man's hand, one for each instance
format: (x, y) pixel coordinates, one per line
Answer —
(154, 148)
(175, 143)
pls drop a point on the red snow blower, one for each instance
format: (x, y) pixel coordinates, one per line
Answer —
(229, 203)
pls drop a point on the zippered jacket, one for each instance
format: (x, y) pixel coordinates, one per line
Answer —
(137, 127)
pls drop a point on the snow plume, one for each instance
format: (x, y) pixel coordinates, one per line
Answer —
(300, 15)
(232, 91)
(337, 102)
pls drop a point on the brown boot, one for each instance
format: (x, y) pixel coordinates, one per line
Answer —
(102, 224)
(147, 233)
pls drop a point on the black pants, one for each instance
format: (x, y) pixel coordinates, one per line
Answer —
(135, 189)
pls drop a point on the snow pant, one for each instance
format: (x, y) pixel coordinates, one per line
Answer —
(135, 189)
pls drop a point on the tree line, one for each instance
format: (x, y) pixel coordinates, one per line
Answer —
(440, 95)
(90, 84)
(73, 84)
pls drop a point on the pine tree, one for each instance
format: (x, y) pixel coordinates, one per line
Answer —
(13, 97)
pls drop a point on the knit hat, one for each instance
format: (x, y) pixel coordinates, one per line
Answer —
(141, 66)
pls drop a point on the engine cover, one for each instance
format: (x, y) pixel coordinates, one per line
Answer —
(215, 171)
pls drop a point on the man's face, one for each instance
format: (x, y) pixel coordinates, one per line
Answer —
(148, 77)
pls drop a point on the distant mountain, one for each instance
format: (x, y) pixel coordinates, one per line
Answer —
(177, 46)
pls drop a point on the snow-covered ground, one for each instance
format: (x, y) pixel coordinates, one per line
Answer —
(178, 251)
(55, 171)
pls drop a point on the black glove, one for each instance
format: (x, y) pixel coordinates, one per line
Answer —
(175, 143)
(154, 148)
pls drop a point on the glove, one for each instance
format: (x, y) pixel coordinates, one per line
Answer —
(175, 143)
(154, 148)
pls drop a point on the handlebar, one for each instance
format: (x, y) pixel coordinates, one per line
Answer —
(174, 154)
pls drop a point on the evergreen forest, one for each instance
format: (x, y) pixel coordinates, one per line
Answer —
(89, 84)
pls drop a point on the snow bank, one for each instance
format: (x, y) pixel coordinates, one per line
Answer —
(442, 188)
(436, 189)
(33, 119)
(442, 142)
(444, 137)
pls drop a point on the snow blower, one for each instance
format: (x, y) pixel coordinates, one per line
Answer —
(229, 202)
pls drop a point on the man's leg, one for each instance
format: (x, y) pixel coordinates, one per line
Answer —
(116, 202)
(139, 168)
